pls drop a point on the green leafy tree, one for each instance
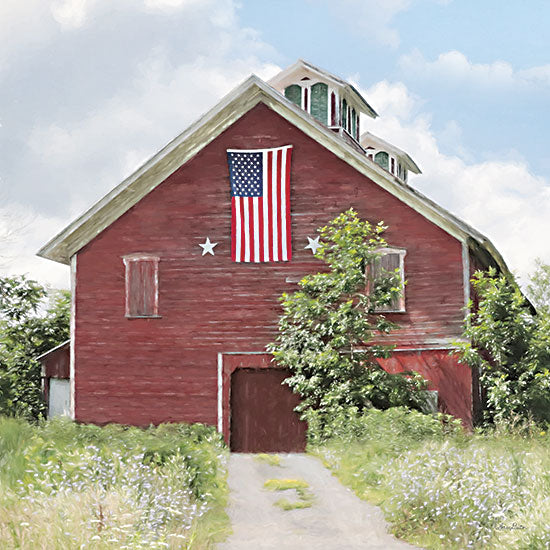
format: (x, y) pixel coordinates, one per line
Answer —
(327, 325)
(538, 288)
(31, 323)
(511, 348)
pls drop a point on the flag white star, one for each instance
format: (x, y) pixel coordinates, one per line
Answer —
(208, 247)
(314, 244)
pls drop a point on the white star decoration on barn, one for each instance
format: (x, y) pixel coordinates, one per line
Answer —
(314, 244)
(208, 247)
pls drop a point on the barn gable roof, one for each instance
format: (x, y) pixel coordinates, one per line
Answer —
(199, 134)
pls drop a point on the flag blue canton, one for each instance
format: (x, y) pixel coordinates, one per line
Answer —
(246, 174)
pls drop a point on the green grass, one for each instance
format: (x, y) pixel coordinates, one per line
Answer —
(67, 486)
(442, 488)
(271, 459)
(305, 501)
(285, 484)
(304, 497)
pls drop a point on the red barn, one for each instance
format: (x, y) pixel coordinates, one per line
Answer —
(167, 327)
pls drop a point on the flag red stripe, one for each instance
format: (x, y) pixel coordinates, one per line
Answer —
(281, 203)
(250, 228)
(261, 228)
(287, 203)
(243, 229)
(233, 230)
(270, 204)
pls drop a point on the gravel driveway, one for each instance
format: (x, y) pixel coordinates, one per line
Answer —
(337, 519)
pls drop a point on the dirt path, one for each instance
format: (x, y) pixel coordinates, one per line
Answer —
(337, 519)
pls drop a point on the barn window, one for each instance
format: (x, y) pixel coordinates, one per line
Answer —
(344, 111)
(294, 94)
(305, 105)
(390, 260)
(382, 159)
(333, 110)
(392, 165)
(319, 101)
(141, 285)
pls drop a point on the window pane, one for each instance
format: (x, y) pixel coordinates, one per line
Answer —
(344, 114)
(319, 101)
(382, 159)
(333, 109)
(294, 94)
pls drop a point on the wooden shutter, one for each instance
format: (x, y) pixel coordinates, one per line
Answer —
(382, 159)
(319, 102)
(294, 94)
(141, 287)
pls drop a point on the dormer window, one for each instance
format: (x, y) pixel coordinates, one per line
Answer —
(326, 97)
(388, 157)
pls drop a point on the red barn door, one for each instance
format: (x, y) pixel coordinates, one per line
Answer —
(262, 413)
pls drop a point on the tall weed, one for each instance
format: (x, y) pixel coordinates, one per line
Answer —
(443, 488)
(64, 485)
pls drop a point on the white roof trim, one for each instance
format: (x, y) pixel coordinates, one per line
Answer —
(59, 346)
(367, 138)
(184, 147)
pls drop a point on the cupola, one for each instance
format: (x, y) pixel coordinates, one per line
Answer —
(327, 98)
(388, 156)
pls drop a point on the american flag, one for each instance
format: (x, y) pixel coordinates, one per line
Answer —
(260, 204)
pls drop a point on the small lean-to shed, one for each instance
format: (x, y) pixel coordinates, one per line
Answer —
(56, 380)
(176, 273)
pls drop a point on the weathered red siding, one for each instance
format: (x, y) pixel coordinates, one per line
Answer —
(56, 363)
(143, 371)
(451, 379)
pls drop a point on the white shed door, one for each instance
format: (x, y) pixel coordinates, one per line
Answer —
(60, 398)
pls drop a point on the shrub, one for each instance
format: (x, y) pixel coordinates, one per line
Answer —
(327, 327)
(511, 349)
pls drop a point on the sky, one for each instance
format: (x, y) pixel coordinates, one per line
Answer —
(90, 89)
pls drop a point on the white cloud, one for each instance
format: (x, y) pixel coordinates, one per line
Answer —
(70, 13)
(22, 232)
(167, 5)
(392, 99)
(454, 68)
(64, 165)
(109, 143)
(502, 198)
